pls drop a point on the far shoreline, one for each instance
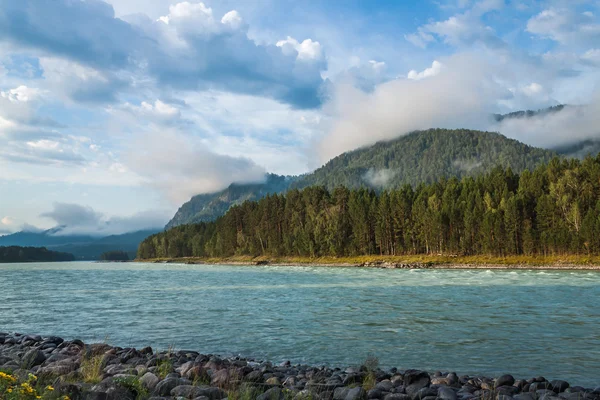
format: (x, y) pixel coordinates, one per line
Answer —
(562, 263)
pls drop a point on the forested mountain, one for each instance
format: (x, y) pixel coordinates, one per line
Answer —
(553, 210)
(577, 149)
(208, 207)
(15, 254)
(423, 156)
(529, 113)
(81, 246)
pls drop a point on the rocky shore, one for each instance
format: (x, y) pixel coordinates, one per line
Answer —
(33, 367)
(380, 264)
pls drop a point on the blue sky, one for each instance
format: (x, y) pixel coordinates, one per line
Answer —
(115, 112)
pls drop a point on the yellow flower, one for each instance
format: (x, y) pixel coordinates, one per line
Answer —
(49, 387)
(9, 390)
(4, 375)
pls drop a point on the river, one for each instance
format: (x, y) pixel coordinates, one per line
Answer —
(527, 323)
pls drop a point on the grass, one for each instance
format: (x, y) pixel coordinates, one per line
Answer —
(134, 385)
(370, 380)
(164, 366)
(244, 393)
(439, 261)
(91, 368)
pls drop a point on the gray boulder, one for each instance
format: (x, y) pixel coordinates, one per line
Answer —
(445, 393)
(504, 380)
(33, 358)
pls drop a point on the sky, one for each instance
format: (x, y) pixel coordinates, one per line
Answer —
(113, 113)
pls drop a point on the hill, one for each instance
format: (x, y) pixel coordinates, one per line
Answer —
(208, 207)
(419, 157)
(81, 246)
(424, 157)
(16, 254)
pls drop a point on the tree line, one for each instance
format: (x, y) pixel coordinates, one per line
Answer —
(15, 254)
(552, 210)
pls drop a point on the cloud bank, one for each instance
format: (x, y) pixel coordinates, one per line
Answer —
(459, 95)
(75, 219)
(183, 167)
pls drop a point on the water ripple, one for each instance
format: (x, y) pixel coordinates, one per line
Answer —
(526, 322)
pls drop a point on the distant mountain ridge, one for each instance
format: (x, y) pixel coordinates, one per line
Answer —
(419, 157)
(83, 247)
(208, 207)
(529, 113)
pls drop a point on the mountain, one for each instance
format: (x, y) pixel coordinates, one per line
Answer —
(529, 113)
(81, 246)
(419, 157)
(578, 149)
(208, 207)
(424, 157)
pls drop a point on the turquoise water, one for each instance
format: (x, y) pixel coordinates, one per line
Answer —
(528, 323)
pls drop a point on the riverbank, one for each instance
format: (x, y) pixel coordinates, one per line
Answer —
(569, 262)
(52, 368)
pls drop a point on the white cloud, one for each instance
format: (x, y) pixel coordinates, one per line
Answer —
(572, 124)
(379, 178)
(566, 26)
(80, 83)
(461, 95)
(233, 19)
(533, 89)
(461, 29)
(306, 50)
(156, 112)
(436, 68)
(22, 94)
(592, 56)
(7, 221)
(75, 219)
(181, 166)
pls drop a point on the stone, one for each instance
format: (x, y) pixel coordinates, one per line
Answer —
(357, 393)
(507, 390)
(504, 380)
(119, 393)
(272, 394)
(191, 392)
(543, 385)
(415, 380)
(559, 386)
(523, 396)
(385, 386)
(149, 380)
(273, 381)
(396, 396)
(96, 396)
(340, 393)
(423, 393)
(220, 378)
(164, 387)
(33, 358)
(445, 393)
